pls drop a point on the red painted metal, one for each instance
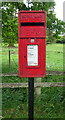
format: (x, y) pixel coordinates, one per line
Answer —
(32, 25)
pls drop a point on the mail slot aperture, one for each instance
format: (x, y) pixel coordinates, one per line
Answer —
(32, 24)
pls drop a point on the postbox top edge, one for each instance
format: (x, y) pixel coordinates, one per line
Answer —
(41, 11)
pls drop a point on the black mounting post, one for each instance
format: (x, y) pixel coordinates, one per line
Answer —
(9, 57)
(31, 99)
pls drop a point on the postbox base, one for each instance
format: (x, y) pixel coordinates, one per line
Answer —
(26, 76)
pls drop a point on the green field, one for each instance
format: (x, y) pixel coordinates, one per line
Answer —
(54, 59)
(51, 102)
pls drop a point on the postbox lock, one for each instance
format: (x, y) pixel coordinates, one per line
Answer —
(24, 56)
(32, 40)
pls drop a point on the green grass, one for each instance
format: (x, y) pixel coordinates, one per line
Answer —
(55, 47)
(50, 104)
(13, 68)
(54, 59)
(14, 103)
(13, 79)
(48, 78)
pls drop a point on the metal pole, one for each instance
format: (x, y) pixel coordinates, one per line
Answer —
(9, 57)
(31, 99)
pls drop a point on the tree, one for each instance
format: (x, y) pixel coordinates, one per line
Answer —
(10, 19)
(9, 32)
(59, 28)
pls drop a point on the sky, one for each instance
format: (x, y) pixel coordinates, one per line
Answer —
(59, 9)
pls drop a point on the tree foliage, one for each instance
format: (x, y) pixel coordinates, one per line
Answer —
(10, 19)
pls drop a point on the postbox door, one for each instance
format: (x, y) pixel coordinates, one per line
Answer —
(33, 56)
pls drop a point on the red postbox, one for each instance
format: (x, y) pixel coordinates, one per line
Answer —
(32, 43)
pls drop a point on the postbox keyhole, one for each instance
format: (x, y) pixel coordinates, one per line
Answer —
(24, 56)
